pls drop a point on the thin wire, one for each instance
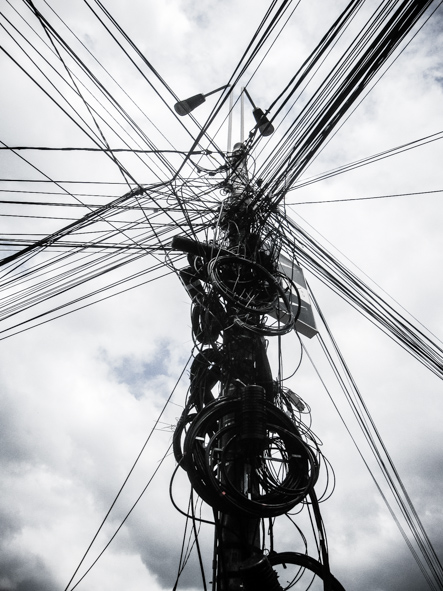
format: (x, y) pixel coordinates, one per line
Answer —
(347, 199)
(106, 149)
(122, 523)
(194, 527)
(413, 520)
(129, 475)
(368, 160)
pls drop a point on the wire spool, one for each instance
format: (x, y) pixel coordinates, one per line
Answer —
(273, 483)
(253, 291)
(269, 327)
(205, 373)
(185, 419)
(264, 484)
(281, 319)
(305, 562)
(246, 284)
(207, 319)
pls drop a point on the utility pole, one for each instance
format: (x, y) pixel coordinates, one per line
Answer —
(245, 456)
(248, 371)
(247, 453)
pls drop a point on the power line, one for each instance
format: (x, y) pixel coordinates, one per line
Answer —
(106, 149)
(346, 199)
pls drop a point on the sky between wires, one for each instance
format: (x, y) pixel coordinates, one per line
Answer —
(81, 391)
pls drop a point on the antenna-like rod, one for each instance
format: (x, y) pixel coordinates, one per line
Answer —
(230, 123)
(242, 116)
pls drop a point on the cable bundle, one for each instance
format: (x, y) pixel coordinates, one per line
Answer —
(278, 468)
(241, 452)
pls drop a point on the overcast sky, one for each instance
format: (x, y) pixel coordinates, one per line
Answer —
(79, 395)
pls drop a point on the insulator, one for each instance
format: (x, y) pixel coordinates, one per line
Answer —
(258, 575)
(253, 413)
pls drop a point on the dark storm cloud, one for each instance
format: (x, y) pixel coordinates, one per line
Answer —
(160, 560)
(20, 570)
(24, 572)
(16, 441)
(394, 571)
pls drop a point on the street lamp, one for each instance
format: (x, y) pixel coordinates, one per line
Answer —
(189, 104)
(265, 127)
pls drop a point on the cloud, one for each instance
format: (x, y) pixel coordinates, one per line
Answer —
(80, 395)
(24, 572)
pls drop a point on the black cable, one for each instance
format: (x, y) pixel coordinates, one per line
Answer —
(182, 550)
(368, 160)
(336, 94)
(203, 132)
(94, 80)
(200, 561)
(160, 463)
(171, 496)
(109, 74)
(104, 149)
(344, 282)
(347, 199)
(128, 475)
(371, 434)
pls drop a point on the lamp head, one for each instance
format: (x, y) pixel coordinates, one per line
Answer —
(189, 104)
(265, 127)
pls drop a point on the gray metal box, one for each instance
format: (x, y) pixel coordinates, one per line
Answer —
(305, 324)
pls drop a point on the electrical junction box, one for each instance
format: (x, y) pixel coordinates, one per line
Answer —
(305, 324)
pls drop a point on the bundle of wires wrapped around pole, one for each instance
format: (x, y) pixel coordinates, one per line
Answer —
(241, 439)
(244, 439)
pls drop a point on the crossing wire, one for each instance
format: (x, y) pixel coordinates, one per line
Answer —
(325, 266)
(282, 172)
(332, 100)
(383, 458)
